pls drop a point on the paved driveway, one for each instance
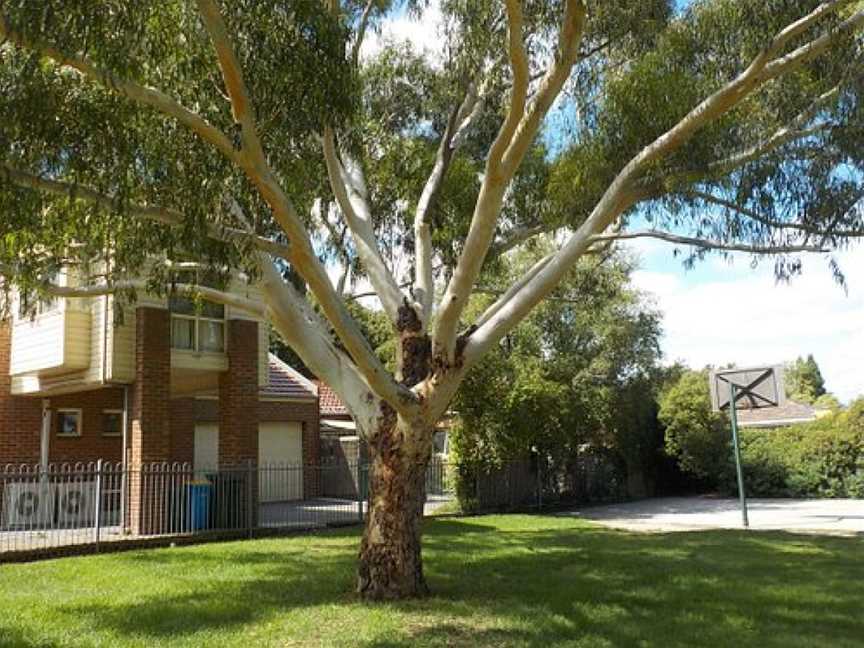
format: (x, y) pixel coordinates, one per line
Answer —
(840, 516)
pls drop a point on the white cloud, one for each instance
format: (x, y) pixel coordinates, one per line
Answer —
(424, 33)
(724, 313)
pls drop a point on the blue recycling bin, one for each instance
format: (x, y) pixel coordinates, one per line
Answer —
(199, 505)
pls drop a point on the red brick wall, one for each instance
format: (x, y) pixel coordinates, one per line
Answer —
(150, 437)
(92, 444)
(183, 430)
(150, 434)
(20, 418)
(238, 395)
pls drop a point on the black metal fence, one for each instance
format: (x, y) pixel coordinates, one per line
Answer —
(44, 508)
(537, 483)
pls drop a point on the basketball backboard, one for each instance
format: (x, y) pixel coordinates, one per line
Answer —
(755, 387)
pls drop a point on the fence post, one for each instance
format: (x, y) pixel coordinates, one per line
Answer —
(360, 491)
(98, 503)
(249, 498)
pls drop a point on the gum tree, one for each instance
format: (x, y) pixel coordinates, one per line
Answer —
(255, 134)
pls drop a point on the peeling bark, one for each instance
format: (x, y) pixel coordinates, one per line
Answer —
(391, 565)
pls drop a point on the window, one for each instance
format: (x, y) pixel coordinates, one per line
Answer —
(69, 422)
(440, 444)
(197, 327)
(112, 423)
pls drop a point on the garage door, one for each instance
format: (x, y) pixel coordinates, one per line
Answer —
(206, 451)
(280, 461)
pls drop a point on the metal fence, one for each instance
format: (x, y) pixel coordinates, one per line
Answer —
(59, 506)
(537, 483)
(43, 508)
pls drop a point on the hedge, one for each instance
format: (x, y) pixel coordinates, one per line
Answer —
(820, 459)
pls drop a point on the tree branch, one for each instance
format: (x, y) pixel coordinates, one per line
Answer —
(136, 92)
(305, 332)
(815, 47)
(154, 213)
(707, 244)
(361, 31)
(518, 236)
(112, 287)
(769, 222)
(458, 124)
(356, 211)
(508, 294)
(515, 136)
(232, 74)
(623, 192)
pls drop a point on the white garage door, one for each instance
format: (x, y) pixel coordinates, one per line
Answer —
(206, 451)
(280, 460)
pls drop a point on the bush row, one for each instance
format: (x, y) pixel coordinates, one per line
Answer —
(820, 459)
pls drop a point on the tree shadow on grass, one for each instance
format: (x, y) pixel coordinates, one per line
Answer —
(495, 586)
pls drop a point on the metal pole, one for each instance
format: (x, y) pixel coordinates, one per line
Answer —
(734, 416)
(124, 466)
(360, 490)
(98, 504)
(250, 503)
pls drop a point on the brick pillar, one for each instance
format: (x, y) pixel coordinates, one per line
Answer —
(238, 396)
(20, 417)
(150, 437)
(183, 430)
(312, 457)
(238, 419)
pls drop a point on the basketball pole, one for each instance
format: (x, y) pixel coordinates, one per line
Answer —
(734, 416)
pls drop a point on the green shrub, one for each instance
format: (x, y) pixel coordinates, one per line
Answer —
(820, 459)
(697, 437)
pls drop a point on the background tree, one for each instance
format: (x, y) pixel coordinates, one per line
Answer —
(804, 382)
(579, 369)
(224, 133)
(695, 435)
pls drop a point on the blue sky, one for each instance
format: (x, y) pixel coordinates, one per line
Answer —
(729, 312)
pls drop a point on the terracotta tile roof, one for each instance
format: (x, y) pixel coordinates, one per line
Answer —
(286, 382)
(786, 414)
(330, 403)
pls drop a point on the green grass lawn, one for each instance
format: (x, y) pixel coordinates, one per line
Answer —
(497, 581)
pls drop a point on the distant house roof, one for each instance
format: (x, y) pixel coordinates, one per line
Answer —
(330, 403)
(286, 382)
(788, 413)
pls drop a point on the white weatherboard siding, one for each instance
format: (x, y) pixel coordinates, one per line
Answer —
(206, 449)
(280, 458)
(83, 343)
(121, 345)
(55, 342)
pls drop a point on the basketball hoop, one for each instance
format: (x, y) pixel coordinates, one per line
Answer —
(734, 389)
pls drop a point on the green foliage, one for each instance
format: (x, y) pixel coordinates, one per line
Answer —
(582, 369)
(820, 459)
(827, 401)
(68, 127)
(804, 381)
(505, 581)
(694, 434)
(824, 458)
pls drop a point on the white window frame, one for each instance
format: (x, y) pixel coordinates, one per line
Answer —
(113, 434)
(70, 410)
(196, 337)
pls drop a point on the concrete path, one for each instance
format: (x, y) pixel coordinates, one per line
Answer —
(840, 516)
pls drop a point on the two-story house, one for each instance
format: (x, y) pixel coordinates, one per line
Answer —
(160, 380)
